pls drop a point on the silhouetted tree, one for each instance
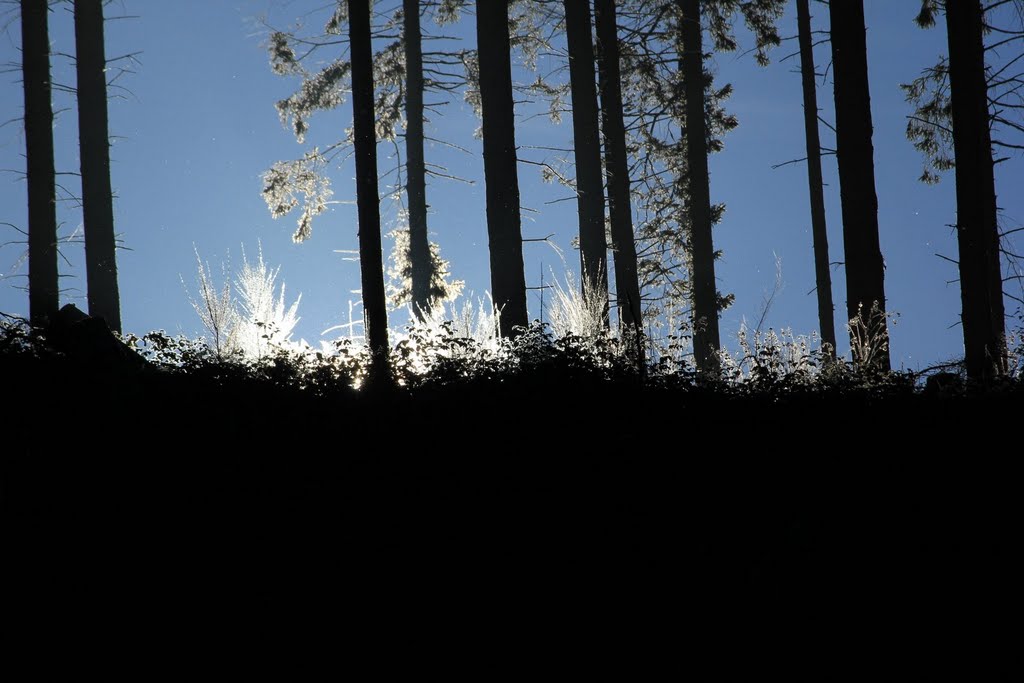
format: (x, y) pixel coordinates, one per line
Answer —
(865, 269)
(957, 104)
(652, 49)
(654, 119)
(587, 148)
(94, 144)
(504, 230)
(702, 275)
(421, 276)
(977, 229)
(620, 211)
(760, 17)
(416, 174)
(367, 196)
(43, 286)
(823, 277)
(930, 127)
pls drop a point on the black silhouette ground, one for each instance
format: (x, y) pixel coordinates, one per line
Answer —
(552, 497)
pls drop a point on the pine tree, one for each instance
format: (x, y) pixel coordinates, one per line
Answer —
(97, 196)
(865, 269)
(823, 276)
(706, 340)
(760, 17)
(43, 287)
(620, 210)
(401, 79)
(587, 147)
(977, 229)
(504, 230)
(367, 196)
(416, 174)
(949, 133)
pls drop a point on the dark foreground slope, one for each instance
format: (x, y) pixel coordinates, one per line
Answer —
(576, 504)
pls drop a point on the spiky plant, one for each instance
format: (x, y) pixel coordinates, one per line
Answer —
(252, 318)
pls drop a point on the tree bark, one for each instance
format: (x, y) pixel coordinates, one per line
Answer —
(981, 287)
(94, 148)
(504, 230)
(702, 269)
(371, 262)
(620, 210)
(43, 285)
(823, 276)
(587, 147)
(865, 269)
(416, 174)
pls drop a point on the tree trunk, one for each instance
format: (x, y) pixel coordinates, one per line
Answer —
(416, 174)
(981, 287)
(702, 269)
(94, 148)
(371, 262)
(504, 231)
(43, 287)
(587, 145)
(620, 210)
(865, 269)
(823, 277)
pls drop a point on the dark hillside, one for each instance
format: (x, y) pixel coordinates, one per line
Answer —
(177, 492)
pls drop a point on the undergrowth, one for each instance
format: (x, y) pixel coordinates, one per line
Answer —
(440, 354)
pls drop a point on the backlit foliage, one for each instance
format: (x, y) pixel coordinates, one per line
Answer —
(287, 181)
(248, 317)
(929, 128)
(399, 288)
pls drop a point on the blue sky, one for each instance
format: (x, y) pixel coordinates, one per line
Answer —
(196, 127)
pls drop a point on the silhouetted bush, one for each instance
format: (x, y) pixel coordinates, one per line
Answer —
(770, 367)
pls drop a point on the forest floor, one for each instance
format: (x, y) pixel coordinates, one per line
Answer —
(169, 493)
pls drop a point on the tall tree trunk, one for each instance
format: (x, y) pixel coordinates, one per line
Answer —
(371, 263)
(823, 277)
(94, 148)
(43, 287)
(981, 287)
(504, 230)
(865, 269)
(702, 269)
(620, 210)
(587, 145)
(416, 174)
